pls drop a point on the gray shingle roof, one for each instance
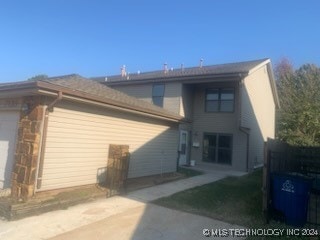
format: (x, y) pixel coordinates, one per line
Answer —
(220, 69)
(78, 84)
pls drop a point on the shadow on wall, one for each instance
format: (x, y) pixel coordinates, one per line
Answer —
(157, 156)
(188, 92)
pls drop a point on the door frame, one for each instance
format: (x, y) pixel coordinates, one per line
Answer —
(182, 149)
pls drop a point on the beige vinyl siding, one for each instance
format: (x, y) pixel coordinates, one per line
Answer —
(258, 112)
(224, 123)
(209, 120)
(172, 94)
(78, 141)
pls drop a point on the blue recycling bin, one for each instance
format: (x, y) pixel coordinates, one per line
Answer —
(290, 195)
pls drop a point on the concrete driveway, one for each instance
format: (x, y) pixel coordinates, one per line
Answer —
(148, 222)
(120, 217)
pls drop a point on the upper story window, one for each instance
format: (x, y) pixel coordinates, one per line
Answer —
(157, 94)
(220, 100)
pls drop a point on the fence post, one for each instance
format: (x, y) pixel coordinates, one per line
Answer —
(266, 182)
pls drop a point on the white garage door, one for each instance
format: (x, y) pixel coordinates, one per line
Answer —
(78, 141)
(8, 133)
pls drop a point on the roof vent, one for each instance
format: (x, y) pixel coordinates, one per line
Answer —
(201, 63)
(165, 68)
(123, 71)
(106, 79)
(138, 72)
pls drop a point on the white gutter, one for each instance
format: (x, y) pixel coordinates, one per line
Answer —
(40, 148)
(243, 129)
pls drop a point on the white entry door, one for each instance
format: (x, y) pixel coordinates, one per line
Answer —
(183, 147)
(8, 133)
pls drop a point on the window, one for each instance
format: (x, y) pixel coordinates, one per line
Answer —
(157, 94)
(217, 148)
(220, 100)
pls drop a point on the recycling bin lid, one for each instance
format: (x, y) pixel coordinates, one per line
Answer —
(294, 175)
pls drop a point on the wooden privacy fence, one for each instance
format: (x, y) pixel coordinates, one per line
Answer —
(117, 169)
(281, 157)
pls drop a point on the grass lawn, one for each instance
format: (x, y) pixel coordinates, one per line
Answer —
(233, 199)
(236, 200)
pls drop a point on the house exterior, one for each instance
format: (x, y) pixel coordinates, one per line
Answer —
(55, 133)
(230, 108)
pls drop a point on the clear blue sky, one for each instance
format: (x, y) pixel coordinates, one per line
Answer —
(96, 37)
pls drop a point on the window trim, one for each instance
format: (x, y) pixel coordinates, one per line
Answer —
(158, 96)
(220, 90)
(217, 135)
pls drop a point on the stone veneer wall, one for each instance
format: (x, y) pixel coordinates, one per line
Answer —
(27, 149)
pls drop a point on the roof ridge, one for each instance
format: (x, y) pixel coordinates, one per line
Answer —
(189, 68)
(62, 76)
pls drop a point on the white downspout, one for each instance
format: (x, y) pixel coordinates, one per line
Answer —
(245, 130)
